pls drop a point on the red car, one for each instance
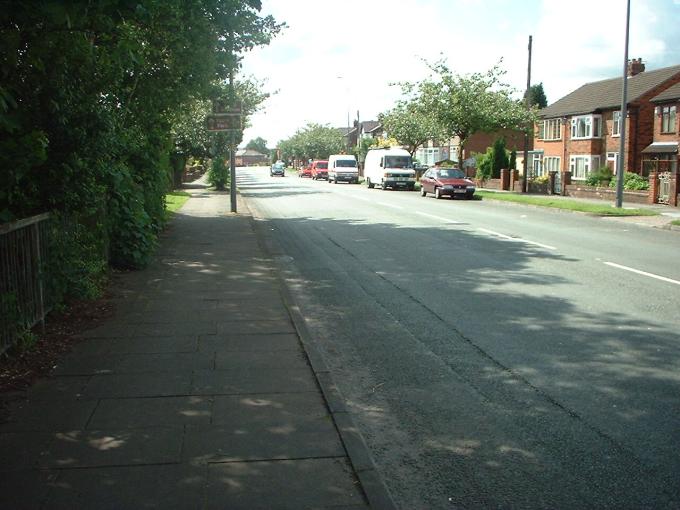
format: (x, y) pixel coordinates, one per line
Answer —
(446, 181)
(305, 171)
(320, 169)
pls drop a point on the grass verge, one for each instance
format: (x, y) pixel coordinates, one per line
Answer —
(676, 223)
(571, 205)
(173, 201)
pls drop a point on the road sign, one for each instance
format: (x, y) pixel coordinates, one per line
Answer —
(220, 106)
(218, 122)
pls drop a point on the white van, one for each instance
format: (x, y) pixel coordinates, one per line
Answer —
(389, 168)
(343, 167)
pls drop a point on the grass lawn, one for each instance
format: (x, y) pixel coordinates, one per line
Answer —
(676, 223)
(571, 205)
(173, 201)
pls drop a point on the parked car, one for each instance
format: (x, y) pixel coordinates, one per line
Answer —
(343, 167)
(446, 181)
(389, 168)
(305, 171)
(319, 169)
(277, 169)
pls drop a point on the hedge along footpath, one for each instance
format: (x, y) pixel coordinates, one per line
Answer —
(571, 205)
(100, 104)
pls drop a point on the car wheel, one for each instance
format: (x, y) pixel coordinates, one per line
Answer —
(369, 183)
(437, 193)
(422, 191)
(383, 185)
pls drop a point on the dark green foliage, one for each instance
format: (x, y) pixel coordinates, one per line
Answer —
(218, 174)
(258, 144)
(537, 96)
(512, 165)
(100, 105)
(499, 158)
(599, 177)
(484, 164)
(632, 182)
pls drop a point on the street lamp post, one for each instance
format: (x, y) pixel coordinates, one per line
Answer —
(347, 99)
(624, 114)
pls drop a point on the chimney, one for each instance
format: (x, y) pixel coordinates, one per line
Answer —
(635, 66)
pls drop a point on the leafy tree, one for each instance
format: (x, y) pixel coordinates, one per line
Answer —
(258, 144)
(512, 165)
(465, 105)
(411, 125)
(484, 164)
(537, 96)
(314, 141)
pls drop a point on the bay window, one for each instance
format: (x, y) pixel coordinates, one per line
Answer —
(581, 166)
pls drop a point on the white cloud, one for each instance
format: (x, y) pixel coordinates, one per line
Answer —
(375, 42)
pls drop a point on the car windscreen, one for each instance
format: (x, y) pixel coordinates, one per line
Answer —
(323, 165)
(451, 173)
(278, 166)
(346, 163)
(397, 161)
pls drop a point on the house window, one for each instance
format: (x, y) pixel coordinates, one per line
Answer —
(551, 164)
(551, 129)
(586, 126)
(668, 119)
(616, 123)
(581, 166)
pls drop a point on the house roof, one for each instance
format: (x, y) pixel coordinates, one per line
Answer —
(344, 131)
(248, 152)
(606, 94)
(370, 125)
(669, 94)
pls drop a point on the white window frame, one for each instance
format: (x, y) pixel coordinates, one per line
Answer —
(616, 123)
(551, 164)
(614, 157)
(551, 129)
(589, 163)
(592, 127)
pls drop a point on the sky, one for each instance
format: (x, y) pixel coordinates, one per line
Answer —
(335, 58)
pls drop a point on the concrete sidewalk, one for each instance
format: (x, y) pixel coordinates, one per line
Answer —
(198, 393)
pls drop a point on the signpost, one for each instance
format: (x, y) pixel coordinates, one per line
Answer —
(226, 118)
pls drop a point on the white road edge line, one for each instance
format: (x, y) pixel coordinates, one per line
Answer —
(516, 239)
(438, 217)
(643, 273)
(390, 205)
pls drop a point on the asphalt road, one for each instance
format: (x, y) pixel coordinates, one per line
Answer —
(493, 355)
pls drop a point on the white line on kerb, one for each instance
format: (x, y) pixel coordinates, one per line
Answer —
(516, 239)
(438, 217)
(643, 273)
(390, 205)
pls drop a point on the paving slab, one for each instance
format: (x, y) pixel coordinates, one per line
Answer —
(25, 489)
(181, 329)
(288, 484)
(120, 447)
(260, 327)
(261, 360)
(22, 450)
(266, 343)
(224, 382)
(58, 388)
(178, 486)
(47, 415)
(138, 385)
(127, 413)
(83, 363)
(165, 362)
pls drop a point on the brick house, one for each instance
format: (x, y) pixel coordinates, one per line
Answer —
(249, 157)
(660, 158)
(580, 132)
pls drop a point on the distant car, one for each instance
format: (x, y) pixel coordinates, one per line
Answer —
(319, 169)
(305, 171)
(446, 181)
(277, 169)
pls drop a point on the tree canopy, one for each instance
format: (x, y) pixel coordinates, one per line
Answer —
(258, 144)
(537, 96)
(96, 98)
(411, 124)
(314, 141)
(462, 105)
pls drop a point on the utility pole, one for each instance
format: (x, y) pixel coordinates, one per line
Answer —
(232, 149)
(525, 163)
(624, 114)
